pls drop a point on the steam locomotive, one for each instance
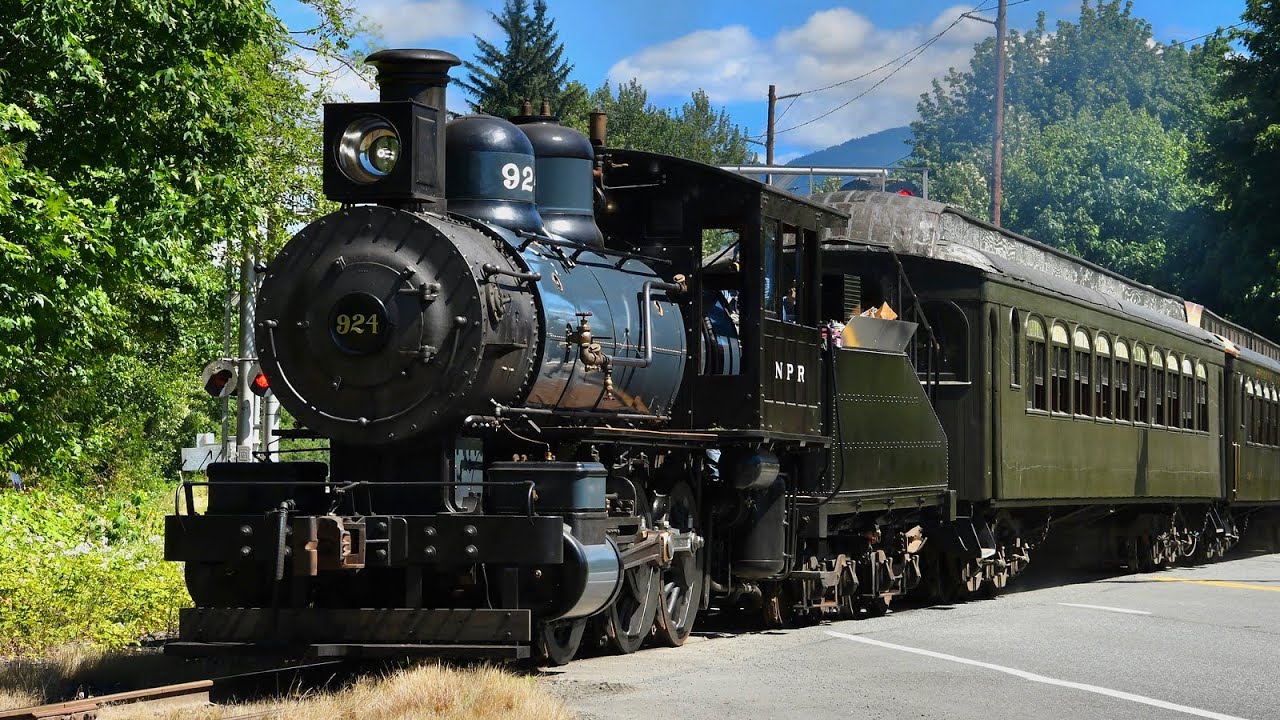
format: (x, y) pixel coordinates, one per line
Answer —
(554, 419)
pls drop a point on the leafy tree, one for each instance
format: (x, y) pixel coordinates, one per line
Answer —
(1240, 161)
(530, 67)
(1100, 128)
(137, 142)
(695, 130)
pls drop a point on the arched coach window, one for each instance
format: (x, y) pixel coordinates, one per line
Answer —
(1037, 364)
(1266, 396)
(1174, 393)
(1188, 394)
(1015, 348)
(1060, 370)
(1124, 405)
(1158, 389)
(1248, 411)
(1082, 371)
(1202, 397)
(1141, 385)
(1102, 376)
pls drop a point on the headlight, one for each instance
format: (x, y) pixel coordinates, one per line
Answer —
(369, 149)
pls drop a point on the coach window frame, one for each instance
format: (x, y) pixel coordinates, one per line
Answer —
(1059, 369)
(1246, 415)
(1015, 347)
(1159, 403)
(1173, 393)
(1202, 396)
(1141, 385)
(1103, 364)
(1037, 360)
(1123, 406)
(1188, 394)
(1081, 372)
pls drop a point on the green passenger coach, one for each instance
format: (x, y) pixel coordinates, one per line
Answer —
(1073, 397)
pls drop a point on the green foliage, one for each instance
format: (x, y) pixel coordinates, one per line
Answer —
(1240, 161)
(85, 567)
(696, 130)
(1099, 131)
(138, 142)
(530, 67)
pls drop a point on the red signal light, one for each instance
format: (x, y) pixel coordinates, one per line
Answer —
(219, 378)
(908, 193)
(259, 385)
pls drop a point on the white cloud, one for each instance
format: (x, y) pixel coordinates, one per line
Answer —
(403, 22)
(732, 64)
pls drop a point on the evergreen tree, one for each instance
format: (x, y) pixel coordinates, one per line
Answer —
(530, 67)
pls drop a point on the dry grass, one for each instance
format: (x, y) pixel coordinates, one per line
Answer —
(430, 692)
(434, 692)
(72, 671)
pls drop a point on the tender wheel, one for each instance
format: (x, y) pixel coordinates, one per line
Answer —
(848, 593)
(629, 619)
(557, 642)
(682, 580)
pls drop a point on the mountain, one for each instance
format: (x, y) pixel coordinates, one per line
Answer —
(875, 150)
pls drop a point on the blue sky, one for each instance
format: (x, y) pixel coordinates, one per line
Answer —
(735, 49)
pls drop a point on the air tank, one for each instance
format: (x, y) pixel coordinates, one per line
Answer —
(491, 173)
(565, 188)
(760, 547)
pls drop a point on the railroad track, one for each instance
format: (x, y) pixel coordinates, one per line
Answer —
(242, 687)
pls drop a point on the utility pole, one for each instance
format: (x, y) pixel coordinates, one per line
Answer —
(997, 135)
(769, 131)
(768, 140)
(245, 396)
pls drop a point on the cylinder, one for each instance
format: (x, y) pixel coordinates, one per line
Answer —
(760, 548)
(590, 580)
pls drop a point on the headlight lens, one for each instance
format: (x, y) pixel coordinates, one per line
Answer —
(369, 149)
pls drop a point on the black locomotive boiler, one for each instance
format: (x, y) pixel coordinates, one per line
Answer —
(553, 419)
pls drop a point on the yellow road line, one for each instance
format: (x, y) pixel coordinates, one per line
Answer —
(1222, 583)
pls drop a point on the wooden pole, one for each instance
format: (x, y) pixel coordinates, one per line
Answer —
(997, 139)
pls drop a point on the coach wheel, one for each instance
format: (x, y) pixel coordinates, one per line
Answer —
(682, 580)
(557, 642)
(629, 618)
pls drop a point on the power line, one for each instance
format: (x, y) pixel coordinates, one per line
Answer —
(918, 51)
(1215, 32)
(1007, 6)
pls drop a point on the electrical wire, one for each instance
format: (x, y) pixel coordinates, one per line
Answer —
(1215, 32)
(922, 48)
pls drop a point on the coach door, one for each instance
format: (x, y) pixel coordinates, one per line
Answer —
(791, 369)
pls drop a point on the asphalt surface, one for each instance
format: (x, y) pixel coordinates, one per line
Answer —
(1187, 642)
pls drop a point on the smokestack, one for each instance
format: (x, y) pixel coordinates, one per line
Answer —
(419, 75)
(599, 128)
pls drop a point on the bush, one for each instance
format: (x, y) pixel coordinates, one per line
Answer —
(85, 567)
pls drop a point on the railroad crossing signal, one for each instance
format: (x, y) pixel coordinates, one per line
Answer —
(258, 382)
(219, 378)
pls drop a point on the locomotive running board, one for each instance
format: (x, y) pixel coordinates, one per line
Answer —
(340, 631)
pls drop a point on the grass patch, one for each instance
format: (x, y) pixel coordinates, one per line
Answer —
(430, 692)
(434, 691)
(84, 567)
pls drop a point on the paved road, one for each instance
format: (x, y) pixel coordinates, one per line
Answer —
(1188, 642)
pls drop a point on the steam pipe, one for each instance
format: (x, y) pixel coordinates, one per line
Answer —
(646, 318)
